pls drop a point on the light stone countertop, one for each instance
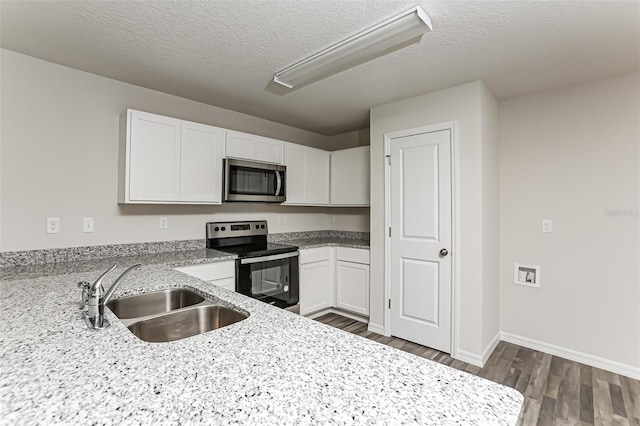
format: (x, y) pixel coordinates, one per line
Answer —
(308, 243)
(273, 368)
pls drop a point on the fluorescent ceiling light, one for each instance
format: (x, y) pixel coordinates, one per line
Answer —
(357, 49)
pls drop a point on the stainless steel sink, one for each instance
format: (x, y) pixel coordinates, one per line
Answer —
(157, 302)
(168, 315)
(185, 323)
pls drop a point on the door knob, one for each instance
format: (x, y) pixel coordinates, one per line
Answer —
(444, 252)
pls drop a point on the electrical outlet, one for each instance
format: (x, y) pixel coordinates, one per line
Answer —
(547, 226)
(87, 224)
(164, 223)
(53, 225)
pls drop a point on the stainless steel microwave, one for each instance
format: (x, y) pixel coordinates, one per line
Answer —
(252, 181)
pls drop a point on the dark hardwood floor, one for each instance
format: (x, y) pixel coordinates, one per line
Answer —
(557, 391)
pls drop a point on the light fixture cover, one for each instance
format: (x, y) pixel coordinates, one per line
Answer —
(357, 49)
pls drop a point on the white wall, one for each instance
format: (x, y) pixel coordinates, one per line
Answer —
(572, 155)
(59, 154)
(348, 140)
(464, 105)
(490, 220)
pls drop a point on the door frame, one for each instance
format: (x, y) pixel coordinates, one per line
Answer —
(455, 221)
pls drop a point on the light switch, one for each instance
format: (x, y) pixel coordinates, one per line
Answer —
(547, 226)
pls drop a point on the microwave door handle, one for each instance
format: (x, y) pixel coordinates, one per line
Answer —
(278, 183)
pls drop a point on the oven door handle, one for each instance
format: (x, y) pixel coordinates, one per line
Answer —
(278, 183)
(268, 258)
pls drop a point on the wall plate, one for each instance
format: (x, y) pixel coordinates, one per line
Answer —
(528, 275)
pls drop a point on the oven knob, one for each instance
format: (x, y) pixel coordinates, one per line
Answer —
(216, 229)
(286, 288)
(262, 226)
(224, 229)
(257, 226)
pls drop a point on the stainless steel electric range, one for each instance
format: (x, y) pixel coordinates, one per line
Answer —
(265, 271)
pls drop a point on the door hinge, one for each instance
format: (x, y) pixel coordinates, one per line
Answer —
(389, 303)
(389, 232)
(388, 159)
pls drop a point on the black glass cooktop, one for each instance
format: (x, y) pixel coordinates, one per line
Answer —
(258, 249)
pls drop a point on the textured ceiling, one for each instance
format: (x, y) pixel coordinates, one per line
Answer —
(225, 52)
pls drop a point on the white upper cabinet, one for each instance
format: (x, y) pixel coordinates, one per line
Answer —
(170, 161)
(253, 147)
(201, 154)
(307, 175)
(153, 157)
(350, 180)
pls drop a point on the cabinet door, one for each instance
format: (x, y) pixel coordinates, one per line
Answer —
(153, 157)
(315, 287)
(201, 155)
(295, 158)
(350, 177)
(240, 145)
(307, 175)
(352, 287)
(317, 176)
(268, 150)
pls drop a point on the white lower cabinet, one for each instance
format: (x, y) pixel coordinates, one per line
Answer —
(316, 280)
(352, 287)
(334, 278)
(222, 274)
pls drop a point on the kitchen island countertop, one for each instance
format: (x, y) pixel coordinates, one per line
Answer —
(273, 368)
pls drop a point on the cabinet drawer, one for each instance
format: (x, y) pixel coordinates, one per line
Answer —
(314, 255)
(210, 271)
(352, 255)
(229, 283)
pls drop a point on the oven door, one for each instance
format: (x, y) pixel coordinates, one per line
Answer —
(252, 181)
(271, 279)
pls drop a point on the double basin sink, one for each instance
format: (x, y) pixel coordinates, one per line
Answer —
(174, 314)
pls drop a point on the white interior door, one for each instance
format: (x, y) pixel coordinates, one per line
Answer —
(421, 220)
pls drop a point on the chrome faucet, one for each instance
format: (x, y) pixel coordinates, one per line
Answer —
(94, 298)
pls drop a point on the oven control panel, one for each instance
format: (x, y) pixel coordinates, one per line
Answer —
(236, 229)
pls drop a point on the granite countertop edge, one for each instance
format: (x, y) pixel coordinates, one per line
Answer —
(274, 367)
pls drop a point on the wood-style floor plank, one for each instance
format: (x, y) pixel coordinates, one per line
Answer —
(557, 391)
(586, 403)
(631, 397)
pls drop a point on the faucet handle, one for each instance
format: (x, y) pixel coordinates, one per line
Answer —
(84, 302)
(97, 285)
(116, 283)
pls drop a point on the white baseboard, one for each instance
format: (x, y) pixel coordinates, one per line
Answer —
(469, 358)
(584, 358)
(318, 314)
(376, 328)
(339, 312)
(492, 347)
(475, 359)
